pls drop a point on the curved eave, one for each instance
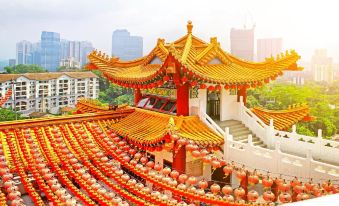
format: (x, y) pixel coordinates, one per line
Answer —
(282, 119)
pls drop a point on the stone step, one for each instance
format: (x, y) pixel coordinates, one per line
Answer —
(238, 129)
(241, 133)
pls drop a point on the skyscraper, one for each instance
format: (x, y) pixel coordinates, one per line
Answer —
(75, 51)
(85, 48)
(125, 46)
(11, 62)
(268, 47)
(242, 43)
(24, 52)
(50, 50)
(322, 66)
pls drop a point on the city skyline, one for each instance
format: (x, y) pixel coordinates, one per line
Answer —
(297, 30)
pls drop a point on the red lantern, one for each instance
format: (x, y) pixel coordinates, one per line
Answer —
(228, 198)
(166, 171)
(227, 190)
(252, 196)
(228, 170)
(267, 182)
(174, 174)
(166, 78)
(184, 79)
(215, 164)
(285, 197)
(207, 159)
(192, 180)
(302, 196)
(211, 88)
(193, 83)
(309, 186)
(298, 189)
(218, 87)
(203, 86)
(215, 188)
(253, 179)
(239, 192)
(295, 182)
(158, 167)
(268, 196)
(284, 187)
(183, 178)
(203, 184)
(196, 153)
(241, 174)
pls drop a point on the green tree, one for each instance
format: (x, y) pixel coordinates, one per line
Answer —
(116, 95)
(9, 115)
(23, 68)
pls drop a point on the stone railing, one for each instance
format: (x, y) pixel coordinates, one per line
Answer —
(277, 162)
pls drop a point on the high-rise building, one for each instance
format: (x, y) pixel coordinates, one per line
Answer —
(85, 48)
(125, 46)
(268, 47)
(24, 52)
(322, 66)
(76, 50)
(242, 43)
(50, 50)
(11, 62)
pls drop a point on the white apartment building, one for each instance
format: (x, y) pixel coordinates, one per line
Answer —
(48, 92)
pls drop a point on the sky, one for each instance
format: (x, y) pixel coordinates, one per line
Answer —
(304, 25)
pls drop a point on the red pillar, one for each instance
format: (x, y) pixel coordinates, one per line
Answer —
(244, 185)
(137, 96)
(183, 100)
(242, 92)
(179, 160)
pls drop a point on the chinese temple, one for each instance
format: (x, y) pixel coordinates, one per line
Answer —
(189, 139)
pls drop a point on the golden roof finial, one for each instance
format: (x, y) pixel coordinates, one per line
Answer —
(189, 26)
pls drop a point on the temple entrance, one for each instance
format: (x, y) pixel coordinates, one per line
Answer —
(213, 104)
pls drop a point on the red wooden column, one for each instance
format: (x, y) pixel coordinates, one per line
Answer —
(179, 160)
(183, 100)
(137, 96)
(242, 92)
(244, 185)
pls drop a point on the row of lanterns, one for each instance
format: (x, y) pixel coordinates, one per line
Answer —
(186, 184)
(164, 199)
(254, 179)
(42, 174)
(78, 171)
(63, 178)
(11, 189)
(20, 170)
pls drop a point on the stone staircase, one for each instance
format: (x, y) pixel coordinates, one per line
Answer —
(240, 132)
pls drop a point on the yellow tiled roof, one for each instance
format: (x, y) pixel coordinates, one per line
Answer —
(195, 55)
(149, 127)
(282, 119)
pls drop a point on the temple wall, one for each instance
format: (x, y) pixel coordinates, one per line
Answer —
(229, 108)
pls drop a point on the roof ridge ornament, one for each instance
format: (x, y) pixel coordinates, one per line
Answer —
(189, 27)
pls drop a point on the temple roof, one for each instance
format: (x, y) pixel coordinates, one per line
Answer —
(282, 119)
(149, 127)
(199, 60)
